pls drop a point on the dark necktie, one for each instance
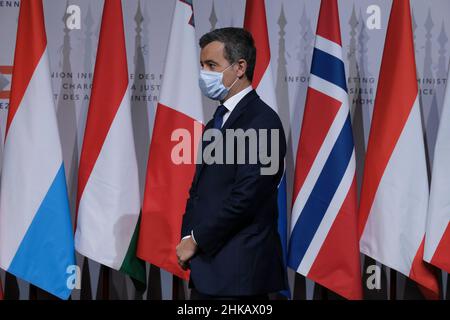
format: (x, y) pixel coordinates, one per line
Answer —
(218, 116)
(217, 119)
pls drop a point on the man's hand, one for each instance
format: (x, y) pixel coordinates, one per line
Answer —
(186, 249)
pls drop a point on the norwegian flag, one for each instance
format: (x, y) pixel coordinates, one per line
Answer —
(323, 244)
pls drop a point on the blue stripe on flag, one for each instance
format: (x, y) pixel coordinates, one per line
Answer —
(48, 247)
(321, 196)
(328, 67)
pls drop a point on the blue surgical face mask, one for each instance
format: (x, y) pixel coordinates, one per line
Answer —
(211, 84)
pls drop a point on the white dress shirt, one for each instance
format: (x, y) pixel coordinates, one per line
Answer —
(233, 101)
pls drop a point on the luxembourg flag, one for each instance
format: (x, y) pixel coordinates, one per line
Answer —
(437, 240)
(256, 23)
(394, 195)
(36, 235)
(179, 119)
(108, 198)
(323, 244)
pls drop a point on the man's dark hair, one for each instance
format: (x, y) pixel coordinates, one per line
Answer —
(239, 44)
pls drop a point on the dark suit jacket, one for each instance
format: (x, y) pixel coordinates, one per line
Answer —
(232, 210)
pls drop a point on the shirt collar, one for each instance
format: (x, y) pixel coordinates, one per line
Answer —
(232, 102)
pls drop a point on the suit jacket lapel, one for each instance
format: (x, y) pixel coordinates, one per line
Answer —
(234, 116)
(238, 110)
(199, 166)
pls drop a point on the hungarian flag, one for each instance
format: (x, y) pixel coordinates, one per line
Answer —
(108, 198)
(324, 227)
(437, 240)
(394, 195)
(36, 234)
(169, 169)
(255, 22)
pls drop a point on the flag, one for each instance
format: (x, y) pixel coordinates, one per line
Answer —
(437, 240)
(394, 195)
(255, 22)
(323, 245)
(108, 198)
(36, 235)
(179, 112)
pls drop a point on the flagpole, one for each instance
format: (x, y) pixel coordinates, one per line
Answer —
(177, 289)
(299, 287)
(105, 282)
(32, 292)
(324, 295)
(448, 288)
(154, 283)
(37, 293)
(393, 285)
(11, 287)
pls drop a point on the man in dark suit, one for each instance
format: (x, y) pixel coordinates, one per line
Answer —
(230, 237)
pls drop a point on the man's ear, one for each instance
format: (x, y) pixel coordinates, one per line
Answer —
(242, 67)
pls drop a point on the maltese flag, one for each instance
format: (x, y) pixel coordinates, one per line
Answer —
(179, 111)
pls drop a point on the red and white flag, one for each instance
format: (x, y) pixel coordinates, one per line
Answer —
(437, 240)
(178, 120)
(255, 22)
(394, 196)
(108, 199)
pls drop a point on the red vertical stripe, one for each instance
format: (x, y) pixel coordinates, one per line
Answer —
(256, 23)
(109, 87)
(31, 42)
(329, 19)
(391, 110)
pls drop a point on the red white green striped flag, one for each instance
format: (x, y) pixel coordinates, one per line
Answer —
(108, 201)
